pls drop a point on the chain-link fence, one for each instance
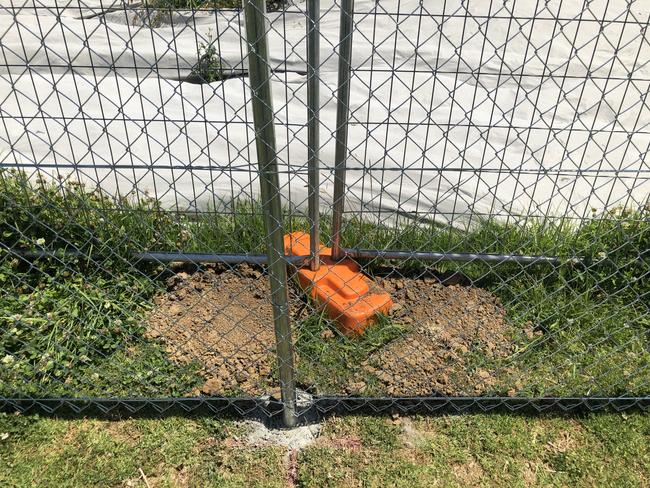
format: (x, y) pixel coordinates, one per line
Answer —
(483, 165)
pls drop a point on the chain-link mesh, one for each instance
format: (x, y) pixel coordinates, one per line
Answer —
(488, 171)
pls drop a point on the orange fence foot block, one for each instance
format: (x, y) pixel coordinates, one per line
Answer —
(349, 297)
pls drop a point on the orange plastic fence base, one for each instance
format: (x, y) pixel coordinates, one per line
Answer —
(348, 296)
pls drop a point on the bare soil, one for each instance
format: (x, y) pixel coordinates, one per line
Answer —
(455, 337)
(221, 318)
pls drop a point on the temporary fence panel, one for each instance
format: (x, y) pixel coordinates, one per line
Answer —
(483, 164)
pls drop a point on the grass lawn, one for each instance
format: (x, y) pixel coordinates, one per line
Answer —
(605, 449)
(75, 326)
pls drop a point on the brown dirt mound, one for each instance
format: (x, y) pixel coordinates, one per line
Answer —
(453, 333)
(221, 319)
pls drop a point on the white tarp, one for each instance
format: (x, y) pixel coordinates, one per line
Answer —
(517, 110)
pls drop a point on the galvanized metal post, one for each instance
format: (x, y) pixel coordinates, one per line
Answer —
(342, 114)
(313, 122)
(260, 81)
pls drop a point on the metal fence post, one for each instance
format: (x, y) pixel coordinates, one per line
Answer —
(256, 28)
(342, 114)
(313, 123)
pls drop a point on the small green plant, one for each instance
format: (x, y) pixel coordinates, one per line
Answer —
(208, 69)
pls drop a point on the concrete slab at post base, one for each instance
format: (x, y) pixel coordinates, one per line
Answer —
(349, 297)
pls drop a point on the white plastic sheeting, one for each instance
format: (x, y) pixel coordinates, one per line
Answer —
(457, 108)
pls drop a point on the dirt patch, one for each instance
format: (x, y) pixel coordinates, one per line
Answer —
(468, 474)
(124, 432)
(222, 320)
(351, 443)
(453, 333)
(566, 440)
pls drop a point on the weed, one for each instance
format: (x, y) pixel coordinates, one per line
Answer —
(208, 68)
(74, 324)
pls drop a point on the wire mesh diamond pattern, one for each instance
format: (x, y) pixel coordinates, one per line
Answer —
(483, 165)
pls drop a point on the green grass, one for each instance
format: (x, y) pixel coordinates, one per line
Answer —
(70, 334)
(170, 451)
(604, 450)
(474, 450)
(75, 325)
(331, 364)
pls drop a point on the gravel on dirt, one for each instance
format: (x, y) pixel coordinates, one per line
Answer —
(221, 318)
(455, 337)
